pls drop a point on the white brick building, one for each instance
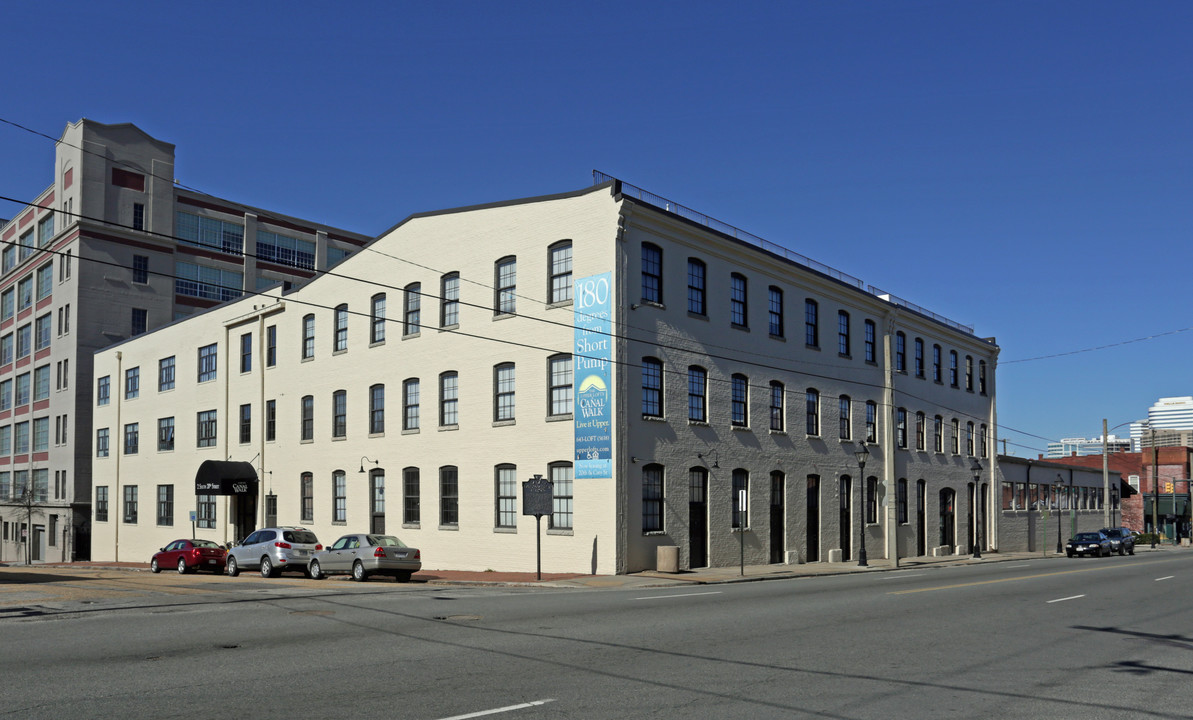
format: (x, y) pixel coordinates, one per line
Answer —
(439, 361)
(110, 249)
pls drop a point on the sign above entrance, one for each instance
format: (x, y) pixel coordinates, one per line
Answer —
(216, 477)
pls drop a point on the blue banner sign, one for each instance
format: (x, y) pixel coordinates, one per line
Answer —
(592, 362)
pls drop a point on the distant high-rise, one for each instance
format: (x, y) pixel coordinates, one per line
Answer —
(1068, 447)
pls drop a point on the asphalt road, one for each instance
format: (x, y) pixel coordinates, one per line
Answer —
(1058, 638)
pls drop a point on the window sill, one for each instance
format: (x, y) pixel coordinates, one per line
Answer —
(559, 531)
(448, 428)
(650, 303)
(698, 316)
(697, 423)
(503, 315)
(377, 435)
(504, 423)
(339, 352)
(772, 431)
(307, 441)
(780, 338)
(411, 431)
(743, 328)
(741, 428)
(812, 347)
(559, 304)
(654, 533)
(411, 526)
(452, 528)
(411, 336)
(654, 418)
(339, 438)
(449, 328)
(567, 417)
(376, 343)
(506, 530)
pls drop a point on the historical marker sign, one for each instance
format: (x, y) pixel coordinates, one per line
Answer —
(537, 496)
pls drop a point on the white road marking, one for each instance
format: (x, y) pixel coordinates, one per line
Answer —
(667, 597)
(1074, 597)
(1019, 565)
(494, 711)
(900, 575)
(1167, 577)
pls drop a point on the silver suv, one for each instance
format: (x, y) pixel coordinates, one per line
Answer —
(274, 550)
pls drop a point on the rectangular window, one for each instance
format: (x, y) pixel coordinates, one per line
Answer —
(871, 421)
(901, 501)
(207, 428)
(307, 418)
(938, 434)
(307, 491)
(811, 323)
(697, 394)
(376, 409)
(308, 337)
(901, 428)
(130, 503)
(5, 394)
(920, 430)
(953, 368)
(845, 417)
(900, 352)
(24, 294)
(738, 402)
(210, 233)
(560, 384)
(165, 434)
(101, 442)
(207, 283)
(138, 216)
(340, 329)
(139, 322)
(696, 286)
(271, 420)
(339, 497)
(45, 230)
(776, 406)
(132, 383)
(813, 404)
(871, 500)
(652, 498)
(449, 399)
(140, 269)
(737, 300)
(412, 312)
(41, 434)
(652, 273)
(8, 304)
(956, 437)
(775, 311)
(377, 319)
(506, 286)
(652, 388)
(271, 346)
(870, 331)
(165, 374)
(132, 438)
(6, 347)
(339, 414)
(503, 393)
(206, 510)
(507, 496)
(101, 503)
(919, 358)
(936, 363)
(165, 505)
(410, 496)
(410, 404)
(45, 281)
(561, 272)
(22, 389)
(208, 362)
(41, 383)
(43, 330)
(286, 250)
(843, 348)
(449, 308)
(449, 496)
(246, 424)
(246, 352)
(24, 340)
(562, 508)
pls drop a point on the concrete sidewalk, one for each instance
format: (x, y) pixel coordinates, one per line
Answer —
(650, 578)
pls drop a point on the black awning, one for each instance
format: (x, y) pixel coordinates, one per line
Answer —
(217, 477)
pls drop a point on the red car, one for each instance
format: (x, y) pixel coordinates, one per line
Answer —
(188, 555)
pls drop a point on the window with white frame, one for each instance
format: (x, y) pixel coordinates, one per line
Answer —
(559, 379)
(449, 496)
(560, 280)
(697, 284)
(339, 414)
(503, 392)
(697, 394)
(208, 428)
(377, 319)
(208, 362)
(340, 329)
(376, 409)
(652, 273)
(449, 302)
(506, 481)
(410, 404)
(506, 286)
(308, 336)
(561, 495)
(652, 498)
(737, 300)
(739, 399)
(449, 399)
(412, 313)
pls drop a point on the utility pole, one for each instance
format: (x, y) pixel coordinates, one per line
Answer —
(1105, 478)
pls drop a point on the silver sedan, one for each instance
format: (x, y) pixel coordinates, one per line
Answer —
(362, 555)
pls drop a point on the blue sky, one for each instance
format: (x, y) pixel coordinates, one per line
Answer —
(1024, 167)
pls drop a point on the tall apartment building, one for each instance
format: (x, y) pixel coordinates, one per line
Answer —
(680, 384)
(110, 250)
(1080, 447)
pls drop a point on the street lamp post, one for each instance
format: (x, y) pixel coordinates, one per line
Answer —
(1056, 488)
(862, 455)
(976, 467)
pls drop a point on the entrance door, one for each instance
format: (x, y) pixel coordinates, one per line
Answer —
(813, 538)
(921, 518)
(969, 526)
(377, 493)
(243, 511)
(845, 524)
(697, 518)
(948, 522)
(778, 532)
(38, 549)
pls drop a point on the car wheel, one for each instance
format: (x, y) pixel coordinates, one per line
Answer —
(404, 576)
(1131, 551)
(358, 572)
(1122, 550)
(181, 566)
(233, 568)
(316, 571)
(1069, 553)
(153, 566)
(266, 567)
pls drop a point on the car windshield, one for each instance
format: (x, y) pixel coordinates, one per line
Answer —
(1088, 537)
(303, 537)
(386, 541)
(203, 544)
(1111, 533)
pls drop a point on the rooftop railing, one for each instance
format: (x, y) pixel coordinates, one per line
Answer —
(670, 206)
